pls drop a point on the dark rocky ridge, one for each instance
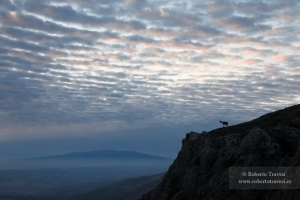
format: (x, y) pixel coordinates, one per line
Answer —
(200, 170)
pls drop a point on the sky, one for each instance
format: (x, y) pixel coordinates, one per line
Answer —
(79, 75)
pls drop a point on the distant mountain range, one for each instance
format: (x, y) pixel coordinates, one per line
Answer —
(105, 155)
(91, 159)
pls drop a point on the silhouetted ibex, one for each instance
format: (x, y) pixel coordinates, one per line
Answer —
(224, 123)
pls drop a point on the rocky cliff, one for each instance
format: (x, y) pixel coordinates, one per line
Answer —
(201, 169)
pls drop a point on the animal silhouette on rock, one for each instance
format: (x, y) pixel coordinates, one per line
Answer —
(225, 124)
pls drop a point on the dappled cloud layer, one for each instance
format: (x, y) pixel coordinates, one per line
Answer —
(112, 65)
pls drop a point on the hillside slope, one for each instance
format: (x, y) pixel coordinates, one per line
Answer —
(201, 169)
(129, 189)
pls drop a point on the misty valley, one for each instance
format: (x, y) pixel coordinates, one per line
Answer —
(75, 175)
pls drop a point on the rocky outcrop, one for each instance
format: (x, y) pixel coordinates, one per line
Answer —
(201, 169)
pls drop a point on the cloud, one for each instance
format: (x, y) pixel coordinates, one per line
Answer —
(240, 24)
(67, 13)
(98, 66)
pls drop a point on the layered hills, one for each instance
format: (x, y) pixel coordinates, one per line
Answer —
(59, 176)
(129, 189)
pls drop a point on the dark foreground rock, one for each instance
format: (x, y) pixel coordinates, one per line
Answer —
(201, 170)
